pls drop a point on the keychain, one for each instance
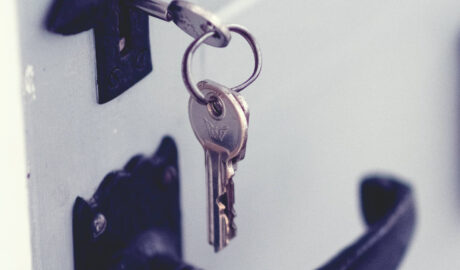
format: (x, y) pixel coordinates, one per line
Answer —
(219, 117)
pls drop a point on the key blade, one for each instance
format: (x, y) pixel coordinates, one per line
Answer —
(220, 200)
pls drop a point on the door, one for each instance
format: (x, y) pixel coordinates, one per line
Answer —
(347, 88)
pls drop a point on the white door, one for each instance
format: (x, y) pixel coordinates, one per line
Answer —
(347, 88)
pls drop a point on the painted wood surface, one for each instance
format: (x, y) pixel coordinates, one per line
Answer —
(347, 88)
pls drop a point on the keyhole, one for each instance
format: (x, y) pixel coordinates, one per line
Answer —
(124, 27)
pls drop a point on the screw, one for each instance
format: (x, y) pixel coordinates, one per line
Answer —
(115, 77)
(99, 225)
(141, 59)
(169, 175)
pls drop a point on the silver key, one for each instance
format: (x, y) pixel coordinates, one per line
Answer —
(245, 107)
(221, 127)
(191, 18)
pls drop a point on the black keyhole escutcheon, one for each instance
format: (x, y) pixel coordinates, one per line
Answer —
(121, 36)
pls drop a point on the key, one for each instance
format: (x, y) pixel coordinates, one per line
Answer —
(191, 18)
(245, 107)
(221, 128)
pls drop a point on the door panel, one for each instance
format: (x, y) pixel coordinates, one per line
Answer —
(346, 88)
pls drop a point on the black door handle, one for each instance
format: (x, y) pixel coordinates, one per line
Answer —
(389, 211)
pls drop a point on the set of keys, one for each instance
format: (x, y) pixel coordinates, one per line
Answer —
(218, 115)
(222, 129)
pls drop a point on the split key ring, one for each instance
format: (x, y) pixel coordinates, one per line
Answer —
(187, 62)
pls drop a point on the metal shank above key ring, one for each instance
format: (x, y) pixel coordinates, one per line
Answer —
(187, 62)
(196, 21)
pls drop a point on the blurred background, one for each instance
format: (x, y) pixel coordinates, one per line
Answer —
(347, 88)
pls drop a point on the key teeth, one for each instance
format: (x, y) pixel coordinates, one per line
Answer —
(225, 203)
(230, 170)
(232, 227)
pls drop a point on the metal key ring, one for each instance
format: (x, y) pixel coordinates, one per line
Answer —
(187, 62)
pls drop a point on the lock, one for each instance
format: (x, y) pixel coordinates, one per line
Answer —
(121, 35)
